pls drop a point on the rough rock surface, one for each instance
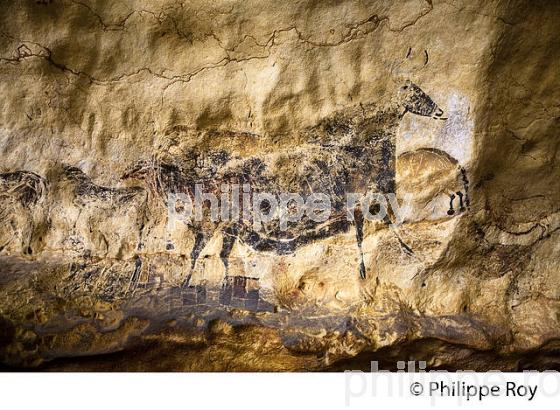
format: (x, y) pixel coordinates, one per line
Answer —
(108, 107)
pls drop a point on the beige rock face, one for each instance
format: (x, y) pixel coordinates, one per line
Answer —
(109, 107)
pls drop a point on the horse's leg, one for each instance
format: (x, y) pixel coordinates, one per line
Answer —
(359, 224)
(461, 205)
(451, 211)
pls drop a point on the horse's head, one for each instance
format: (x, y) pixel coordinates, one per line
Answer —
(140, 170)
(416, 101)
(75, 174)
(29, 188)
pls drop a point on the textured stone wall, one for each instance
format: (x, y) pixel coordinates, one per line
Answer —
(108, 107)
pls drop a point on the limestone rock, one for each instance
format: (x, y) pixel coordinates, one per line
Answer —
(109, 109)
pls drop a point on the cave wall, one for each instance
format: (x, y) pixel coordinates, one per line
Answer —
(94, 90)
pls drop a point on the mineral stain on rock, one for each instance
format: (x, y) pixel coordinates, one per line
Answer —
(108, 110)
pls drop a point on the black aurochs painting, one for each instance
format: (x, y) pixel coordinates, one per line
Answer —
(351, 151)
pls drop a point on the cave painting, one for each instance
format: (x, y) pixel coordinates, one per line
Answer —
(350, 151)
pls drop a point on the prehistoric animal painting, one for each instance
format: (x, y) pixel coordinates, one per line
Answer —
(21, 196)
(351, 151)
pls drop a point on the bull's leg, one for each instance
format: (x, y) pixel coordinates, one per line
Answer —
(200, 241)
(229, 235)
(406, 248)
(359, 224)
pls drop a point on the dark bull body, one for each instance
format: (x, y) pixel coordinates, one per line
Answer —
(352, 151)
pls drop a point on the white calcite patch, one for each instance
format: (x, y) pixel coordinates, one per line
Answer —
(454, 135)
